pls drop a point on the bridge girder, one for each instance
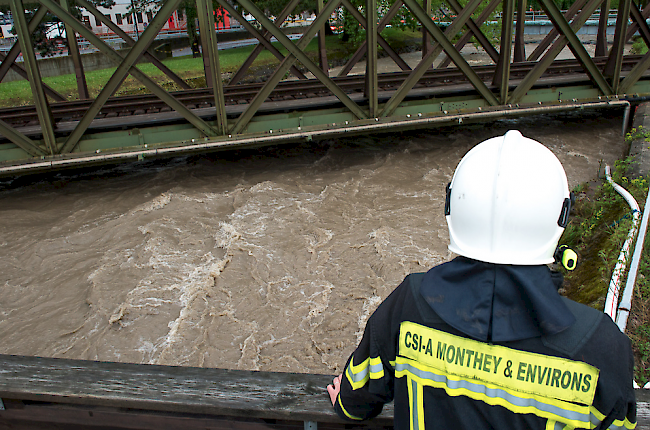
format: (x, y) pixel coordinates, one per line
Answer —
(513, 86)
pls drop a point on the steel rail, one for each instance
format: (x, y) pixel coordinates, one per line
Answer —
(296, 89)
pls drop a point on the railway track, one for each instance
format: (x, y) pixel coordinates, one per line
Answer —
(286, 91)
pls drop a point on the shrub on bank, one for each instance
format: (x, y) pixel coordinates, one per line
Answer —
(599, 225)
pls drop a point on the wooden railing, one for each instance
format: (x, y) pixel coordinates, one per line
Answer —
(50, 393)
(58, 393)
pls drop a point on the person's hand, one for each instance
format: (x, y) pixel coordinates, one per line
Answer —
(334, 388)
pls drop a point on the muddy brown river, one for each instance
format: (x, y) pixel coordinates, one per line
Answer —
(263, 260)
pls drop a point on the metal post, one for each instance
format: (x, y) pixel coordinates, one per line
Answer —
(615, 60)
(73, 52)
(204, 32)
(371, 57)
(205, 12)
(322, 49)
(502, 72)
(135, 21)
(520, 49)
(308, 425)
(601, 38)
(42, 106)
(426, 37)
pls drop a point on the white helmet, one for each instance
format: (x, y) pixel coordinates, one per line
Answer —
(508, 202)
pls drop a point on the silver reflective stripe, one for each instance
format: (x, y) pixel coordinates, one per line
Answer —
(376, 368)
(495, 393)
(414, 405)
(559, 426)
(615, 427)
(357, 377)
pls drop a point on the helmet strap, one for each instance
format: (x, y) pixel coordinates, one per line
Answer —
(566, 209)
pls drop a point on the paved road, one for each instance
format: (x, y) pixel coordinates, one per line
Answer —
(231, 44)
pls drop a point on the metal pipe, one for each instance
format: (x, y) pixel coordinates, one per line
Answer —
(626, 300)
(611, 302)
(626, 118)
(375, 125)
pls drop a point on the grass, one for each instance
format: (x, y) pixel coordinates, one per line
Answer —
(18, 93)
(600, 222)
(639, 46)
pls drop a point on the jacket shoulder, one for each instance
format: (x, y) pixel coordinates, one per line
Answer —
(589, 321)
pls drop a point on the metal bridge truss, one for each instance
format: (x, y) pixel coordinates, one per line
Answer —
(606, 79)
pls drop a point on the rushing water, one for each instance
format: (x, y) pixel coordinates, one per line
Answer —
(268, 260)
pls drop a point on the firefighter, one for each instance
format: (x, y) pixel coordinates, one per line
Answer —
(485, 341)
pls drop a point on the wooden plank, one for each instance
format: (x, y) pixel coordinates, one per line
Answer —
(222, 392)
(45, 415)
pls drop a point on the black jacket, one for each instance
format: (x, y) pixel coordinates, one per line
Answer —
(472, 345)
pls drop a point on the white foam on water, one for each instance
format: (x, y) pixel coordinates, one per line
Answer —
(369, 307)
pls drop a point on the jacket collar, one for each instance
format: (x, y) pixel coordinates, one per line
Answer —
(496, 302)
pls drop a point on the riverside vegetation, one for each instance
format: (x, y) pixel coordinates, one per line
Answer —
(600, 222)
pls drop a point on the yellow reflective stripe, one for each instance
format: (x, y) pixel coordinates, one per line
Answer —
(347, 414)
(525, 372)
(369, 368)
(412, 405)
(357, 375)
(376, 368)
(420, 405)
(620, 424)
(416, 404)
(554, 425)
(617, 424)
(558, 410)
